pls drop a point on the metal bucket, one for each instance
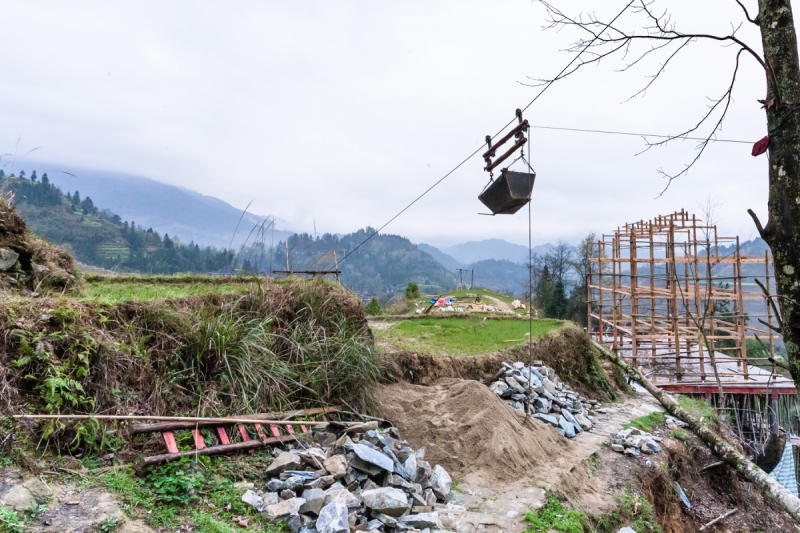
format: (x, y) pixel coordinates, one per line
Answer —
(509, 193)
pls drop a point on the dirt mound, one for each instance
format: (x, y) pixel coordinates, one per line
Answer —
(40, 265)
(478, 438)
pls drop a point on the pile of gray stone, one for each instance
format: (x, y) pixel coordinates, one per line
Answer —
(364, 480)
(634, 441)
(537, 391)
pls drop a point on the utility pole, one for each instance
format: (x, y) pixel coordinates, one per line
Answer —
(472, 279)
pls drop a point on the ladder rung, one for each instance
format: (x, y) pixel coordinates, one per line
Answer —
(199, 443)
(169, 440)
(243, 433)
(223, 436)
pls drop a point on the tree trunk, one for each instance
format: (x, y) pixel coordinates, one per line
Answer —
(730, 455)
(782, 231)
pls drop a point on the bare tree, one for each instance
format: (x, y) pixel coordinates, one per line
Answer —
(645, 34)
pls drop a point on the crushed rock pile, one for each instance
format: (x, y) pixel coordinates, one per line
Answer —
(537, 391)
(371, 482)
(633, 441)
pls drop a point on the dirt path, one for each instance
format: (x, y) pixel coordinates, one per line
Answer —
(500, 458)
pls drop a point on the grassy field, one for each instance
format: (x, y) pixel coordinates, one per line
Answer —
(111, 292)
(460, 336)
(461, 295)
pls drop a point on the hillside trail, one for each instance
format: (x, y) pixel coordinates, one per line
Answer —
(501, 305)
(502, 461)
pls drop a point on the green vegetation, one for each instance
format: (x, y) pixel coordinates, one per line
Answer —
(412, 290)
(185, 491)
(679, 435)
(10, 521)
(553, 516)
(112, 292)
(699, 408)
(373, 308)
(462, 335)
(634, 510)
(105, 240)
(648, 422)
(278, 346)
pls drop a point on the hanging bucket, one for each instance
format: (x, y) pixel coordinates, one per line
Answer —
(509, 193)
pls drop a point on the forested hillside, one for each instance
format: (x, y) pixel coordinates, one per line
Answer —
(101, 238)
(383, 265)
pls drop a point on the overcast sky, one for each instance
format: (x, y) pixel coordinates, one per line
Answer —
(340, 112)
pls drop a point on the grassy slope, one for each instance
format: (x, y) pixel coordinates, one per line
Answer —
(109, 292)
(461, 336)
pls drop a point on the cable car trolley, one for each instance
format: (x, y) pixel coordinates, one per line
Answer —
(512, 190)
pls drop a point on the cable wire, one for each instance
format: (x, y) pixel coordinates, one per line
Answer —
(470, 156)
(611, 132)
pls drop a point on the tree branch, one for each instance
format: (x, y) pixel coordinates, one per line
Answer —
(746, 14)
(757, 222)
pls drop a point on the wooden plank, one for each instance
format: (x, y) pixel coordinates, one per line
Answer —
(169, 439)
(260, 432)
(223, 435)
(199, 443)
(216, 450)
(274, 430)
(243, 432)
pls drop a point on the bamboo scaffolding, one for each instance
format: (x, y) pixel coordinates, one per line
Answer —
(674, 296)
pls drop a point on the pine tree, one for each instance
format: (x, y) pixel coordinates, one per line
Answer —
(33, 176)
(22, 174)
(45, 179)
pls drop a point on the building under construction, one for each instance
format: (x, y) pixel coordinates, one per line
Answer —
(682, 303)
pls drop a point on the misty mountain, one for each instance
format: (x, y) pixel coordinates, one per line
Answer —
(447, 261)
(501, 275)
(180, 212)
(498, 249)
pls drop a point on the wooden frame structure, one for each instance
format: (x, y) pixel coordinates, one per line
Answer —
(673, 297)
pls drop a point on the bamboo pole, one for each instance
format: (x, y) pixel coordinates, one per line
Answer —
(749, 471)
(212, 421)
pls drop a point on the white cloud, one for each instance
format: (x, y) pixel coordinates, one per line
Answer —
(344, 111)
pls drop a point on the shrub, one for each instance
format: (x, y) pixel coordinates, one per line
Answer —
(373, 308)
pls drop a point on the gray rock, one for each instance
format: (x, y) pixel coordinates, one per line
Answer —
(651, 445)
(251, 498)
(285, 461)
(387, 520)
(7, 258)
(363, 466)
(430, 497)
(374, 525)
(541, 403)
(400, 483)
(441, 482)
(298, 522)
(315, 500)
(333, 518)
(386, 500)
(682, 495)
(282, 511)
(549, 386)
(293, 483)
(619, 448)
(499, 387)
(336, 465)
(569, 429)
(633, 451)
(421, 520)
(18, 498)
(626, 529)
(338, 492)
(410, 465)
(314, 457)
(275, 485)
(320, 483)
(270, 498)
(550, 419)
(423, 472)
(583, 422)
(287, 494)
(367, 454)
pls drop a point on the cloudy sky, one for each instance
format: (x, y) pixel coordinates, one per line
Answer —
(339, 113)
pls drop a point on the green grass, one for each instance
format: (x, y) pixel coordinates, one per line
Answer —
(699, 408)
(555, 517)
(648, 422)
(679, 435)
(109, 292)
(461, 335)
